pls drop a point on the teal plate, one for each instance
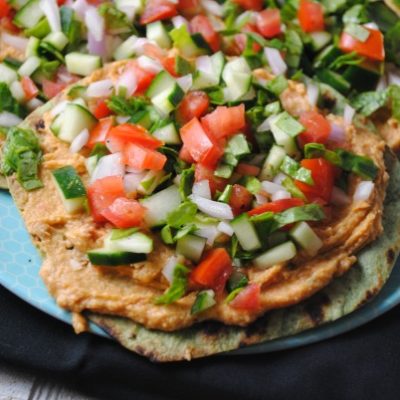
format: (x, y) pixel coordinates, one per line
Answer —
(19, 272)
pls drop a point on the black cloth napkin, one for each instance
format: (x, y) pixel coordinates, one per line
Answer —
(362, 364)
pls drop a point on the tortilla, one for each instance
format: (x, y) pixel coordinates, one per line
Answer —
(64, 239)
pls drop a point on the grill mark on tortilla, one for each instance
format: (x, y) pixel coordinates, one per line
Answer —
(390, 255)
(315, 307)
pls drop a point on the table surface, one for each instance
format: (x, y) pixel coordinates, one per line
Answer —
(18, 384)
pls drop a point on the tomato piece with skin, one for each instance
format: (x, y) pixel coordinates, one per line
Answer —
(185, 155)
(211, 157)
(156, 10)
(194, 105)
(276, 206)
(214, 270)
(7, 24)
(372, 48)
(255, 5)
(247, 169)
(169, 64)
(317, 128)
(240, 200)
(5, 9)
(143, 77)
(202, 172)
(323, 174)
(101, 110)
(99, 133)
(51, 89)
(269, 22)
(248, 298)
(140, 157)
(189, 8)
(102, 193)
(225, 121)
(201, 24)
(124, 213)
(311, 16)
(29, 87)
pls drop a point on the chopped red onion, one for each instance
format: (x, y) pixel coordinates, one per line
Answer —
(102, 88)
(52, 13)
(212, 208)
(110, 165)
(363, 191)
(348, 114)
(312, 93)
(80, 7)
(149, 64)
(122, 119)
(337, 134)
(207, 231)
(275, 61)
(271, 187)
(280, 195)
(213, 7)
(185, 82)
(279, 178)
(394, 78)
(225, 227)
(95, 23)
(178, 21)
(128, 81)
(260, 199)
(132, 181)
(7, 119)
(202, 189)
(33, 104)
(17, 42)
(79, 142)
(95, 46)
(339, 197)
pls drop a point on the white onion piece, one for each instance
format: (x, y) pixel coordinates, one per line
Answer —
(17, 42)
(178, 21)
(363, 191)
(275, 61)
(177, 180)
(59, 108)
(134, 170)
(372, 25)
(7, 119)
(337, 133)
(149, 64)
(122, 119)
(52, 13)
(169, 267)
(33, 104)
(280, 195)
(185, 82)
(79, 142)
(202, 189)
(260, 199)
(209, 232)
(348, 114)
(80, 7)
(394, 78)
(224, 227)
(212, 208)
(95, 23)
(128, 81)
(138, 46)
(100, 88)
(204, 64)
(129, 10)
(132, 181)
(383, 82)
(264, 126)
(110, 165)
(339, 197)
(279, 178)
(213, 7)
(271, 187)
(312, 93)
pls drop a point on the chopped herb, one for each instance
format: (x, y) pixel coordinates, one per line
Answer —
(99, 150)
(178, 286)
(122, 106)
(225, 196)
(355, 15)
(186, 182)
(8, 103)
(293, 169)
(286, 123)
(236, 280)
(204, 300)
(182, 215)
(277, 85)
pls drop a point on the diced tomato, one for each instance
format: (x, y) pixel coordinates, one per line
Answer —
(311, 16)
(102, 110)
(99, 133)
(29, 88)
(322, 172)
(240, 199)
(124, 213)
(247, 169)
(143, 77)
(102, 193)
(184, 155)
(201, 24)
(169, 65)
(317, 128)
(240, 41)
(269, 22)
(248, 298)
(277, 206)
(372, 48)
(194, 104)
(7, 24)
(51, 89)
(61, 2)
(189, 8)
(216, 183)
(5, 9)
(214, 270)
(95, 2)
(156, 10)
(122, 134)
(201, 146)
(255, 5)
(140, 157)
(225, 121)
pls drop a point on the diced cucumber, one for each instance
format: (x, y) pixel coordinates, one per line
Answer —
(135, 243)
(32, 47)
(333, 79)
(75, 119)
(17, 4)
(40, 30)
(70, 188)
(126, 49)
(7, 74)
(282, 138)
(168, 134)
(189, 45)
(90, 162)
(272, 162)
(159, 205)
(57, 40)
(17, 91)
(182, 66)
(304, 236)
(278, 254)
(29, 15)
(320, 39)
(246, 233)
(156, 31)
(29, 66)
(327, 56)
(208, 71)
(204, 300)
(191, 247)
(238, 78)
(130, 7)
(150, 181)
(56, 125)
(362, 77)
(112, 258)
(82, 64)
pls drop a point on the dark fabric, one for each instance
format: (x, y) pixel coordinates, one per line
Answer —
(362, 364)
